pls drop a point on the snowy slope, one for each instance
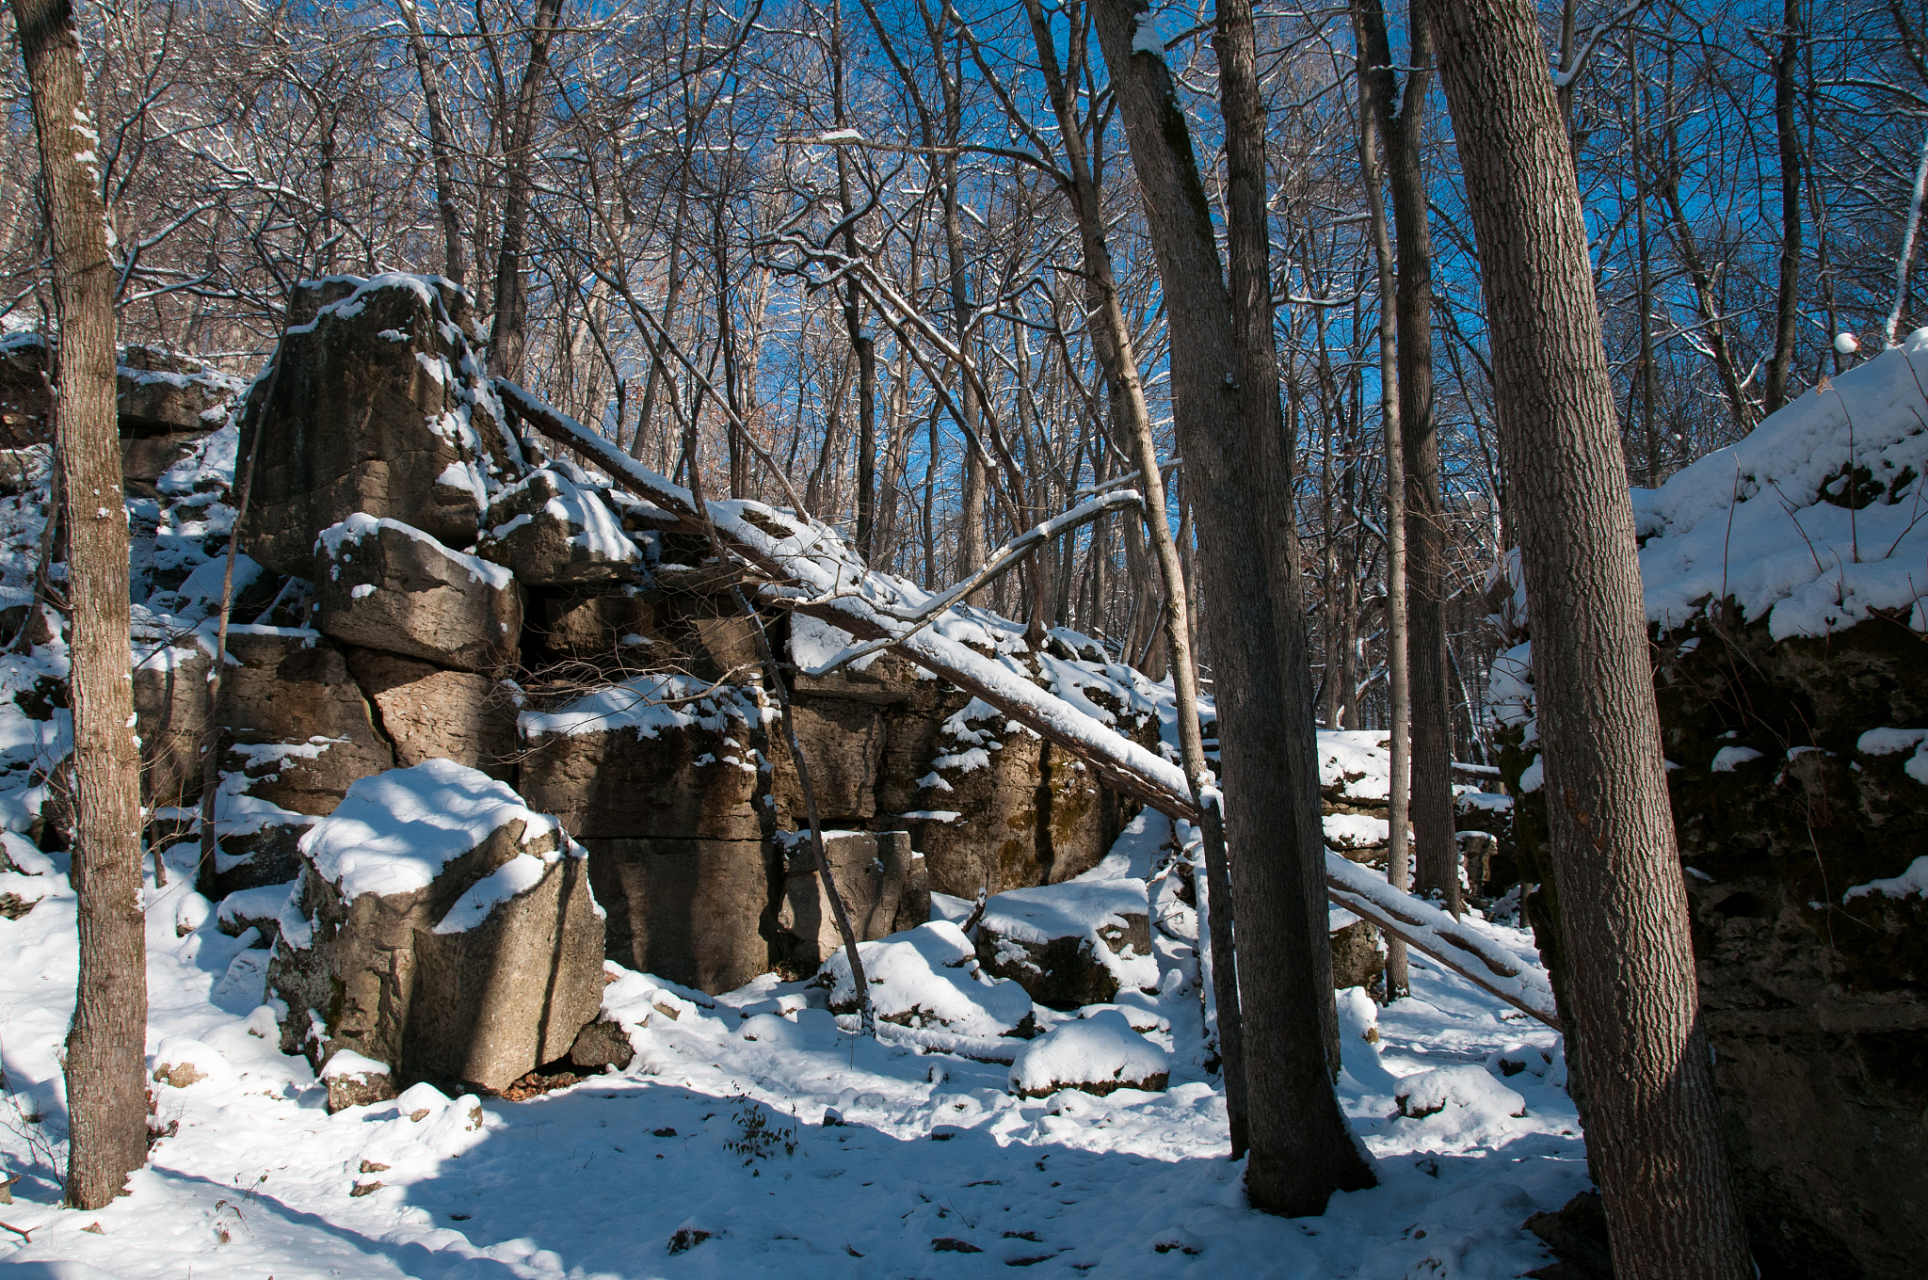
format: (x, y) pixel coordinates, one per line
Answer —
(718, 1127)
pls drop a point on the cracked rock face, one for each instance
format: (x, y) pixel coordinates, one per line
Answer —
(1798, 827)
(387, 585)
(379, 407)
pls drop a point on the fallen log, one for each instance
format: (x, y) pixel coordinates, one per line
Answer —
(811, 569)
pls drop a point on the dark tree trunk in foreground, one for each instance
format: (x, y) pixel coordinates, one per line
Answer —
(1654, 1119)
(509, 342)
(106, 1046)
(1301, 1150)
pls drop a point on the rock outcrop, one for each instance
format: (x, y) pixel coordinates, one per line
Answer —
(1783, 585)
(442, 929)
(552, 531)
(378, 408)
(883, 884)
(387, 585)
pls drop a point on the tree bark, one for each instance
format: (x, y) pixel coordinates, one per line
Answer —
(455, 262)
(508, 343)
(1111, 336)
(1654, 1132)
(1435, 848)
(1301, 1149)
(1398, 672)
(106, 1044)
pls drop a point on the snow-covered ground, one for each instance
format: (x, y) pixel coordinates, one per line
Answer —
(710, 1155)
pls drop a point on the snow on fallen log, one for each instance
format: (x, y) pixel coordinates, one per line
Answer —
(1454, 943)
(816, 573)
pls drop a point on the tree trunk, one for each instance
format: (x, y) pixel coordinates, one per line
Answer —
(508, 344)
(1111, 336)
(1655, 1135)
(106, 1045)
(1429, 704)
(1398, 672)
(455, 263)
(1301, 1149)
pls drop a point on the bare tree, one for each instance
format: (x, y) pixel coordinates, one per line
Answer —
(1301, 1150)
(106, 1045)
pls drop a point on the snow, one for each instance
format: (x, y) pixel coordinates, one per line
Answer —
(929, 977)
(1101, 1050)
(1727, 759)
(394, 832)
(1911, 883)
(516, 876)
(646, 704)
(1356, 830)
(1144, 36)
(719, 1126)
(1085, 908)
(1771, 520)
(359, 525)
(349, 1065)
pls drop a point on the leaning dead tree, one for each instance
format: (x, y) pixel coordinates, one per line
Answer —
(808, 567)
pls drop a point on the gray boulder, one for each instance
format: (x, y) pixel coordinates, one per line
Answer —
(431, 714)
(380, 408)
(1070, 945)
(442, 929)
(883, 884)
(390, 586)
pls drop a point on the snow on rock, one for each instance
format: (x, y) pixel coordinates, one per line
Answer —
(1458, 1106)
(180, 1062)
(1353, 831)
(1071, 944)
(425, 600)
(929, 977)
(1095, 1055)
(1814, 520)
(440, 926)
(396, 831)
(552, 530)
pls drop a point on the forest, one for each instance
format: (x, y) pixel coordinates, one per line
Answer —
(1313, 615)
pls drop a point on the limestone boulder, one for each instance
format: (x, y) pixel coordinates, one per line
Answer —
(379, 408)
(552, 531)
(428, 713)
(171, 716)
(883, 884)
(659, 776)
(292, 710)
(1358, 954)
(843, 746)
(390, 586)
(1071, 944)
(443, 929)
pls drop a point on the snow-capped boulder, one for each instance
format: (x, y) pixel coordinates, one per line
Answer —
(882, 883)
(381, 408)
(442, 927)
(929, 978)
(552, 531)
(390, 586)
(1070, 944)
(1098, 1055)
